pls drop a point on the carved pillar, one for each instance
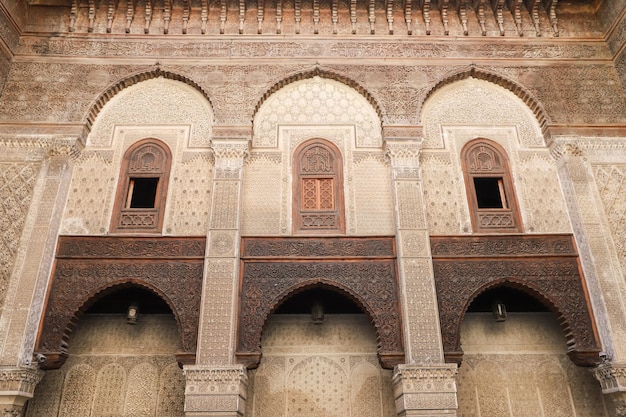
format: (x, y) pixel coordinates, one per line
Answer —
(612, 377)
(16, 387)
(215, 386)
(37, 174)
(425, 386)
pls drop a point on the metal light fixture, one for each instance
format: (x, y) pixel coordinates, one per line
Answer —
(132, 313)
(499, 311)
(317, 312)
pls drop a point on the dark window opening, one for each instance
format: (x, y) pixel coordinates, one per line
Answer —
(515, 301)
(142, 192)
(333, 303)
(117, 302)
(490, 193)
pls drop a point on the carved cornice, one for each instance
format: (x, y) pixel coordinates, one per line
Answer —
(50, 146)
(273, 271)
(89, 267)
(465, 267)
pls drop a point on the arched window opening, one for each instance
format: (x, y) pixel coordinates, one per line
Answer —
(142, 188)
(330, 302)
(120, 301)
(491, 196)
(318, 188)
(503, 300)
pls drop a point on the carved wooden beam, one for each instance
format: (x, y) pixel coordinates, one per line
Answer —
(297, 14)
(515, 6)
(167, 15)
(73, 15)
(533, 9)
(444, 5)
(353, 15)
(498, 6)
(223, 9)
(408, 11)
(279, 16)
(242, 14)
(316, 16)
(550, 6)
(186, 13)
(479, 7)
(389, 7)
(147, 16)
(204, 14)
(426, 14)
(110, 14)
(463, 7)
(130, 14)
(372, 16)
(335, 15)
(92, 15)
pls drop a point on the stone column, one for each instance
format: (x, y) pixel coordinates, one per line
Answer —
(216, 386)
(425, 385)
(35, 179)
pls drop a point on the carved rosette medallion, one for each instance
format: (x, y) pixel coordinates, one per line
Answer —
(546, 267)
(362, 268)
(87, 266)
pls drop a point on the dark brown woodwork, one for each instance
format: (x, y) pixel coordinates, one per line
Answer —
(148, 159)
(363, 269)
(543, 266)
(484, 159)
(88, 268)
(318, 205)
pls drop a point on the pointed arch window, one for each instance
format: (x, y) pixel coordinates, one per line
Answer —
(318, 188)
(489, 186)
(142, 188)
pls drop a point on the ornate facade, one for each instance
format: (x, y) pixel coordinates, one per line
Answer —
(312, 208)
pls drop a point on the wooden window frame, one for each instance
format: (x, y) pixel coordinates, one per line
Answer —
(328, 221)
(483, 158)
(128, 219)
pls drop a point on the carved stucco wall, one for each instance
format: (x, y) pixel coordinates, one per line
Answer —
(520, 368)
(327, 370)
(483, 109)
(115, 369)
(317, 108)
(159, 108)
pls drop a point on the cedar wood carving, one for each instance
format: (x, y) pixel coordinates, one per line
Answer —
(545, 267)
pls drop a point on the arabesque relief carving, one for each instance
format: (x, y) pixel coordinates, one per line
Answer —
(546, 267)
(89, 266)
(274, 269)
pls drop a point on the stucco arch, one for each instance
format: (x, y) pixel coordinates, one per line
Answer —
(481, 74)
(320, 99)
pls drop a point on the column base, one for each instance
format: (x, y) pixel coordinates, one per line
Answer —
(425, 391)
(215, 391)
(17, 386)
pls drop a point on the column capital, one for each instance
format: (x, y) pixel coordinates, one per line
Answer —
(612, 377)
(229, 156)
(404, 156)
(425, 390)
(215, 390)
(17, 385)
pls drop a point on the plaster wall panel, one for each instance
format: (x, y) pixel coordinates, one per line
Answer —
(115, 369)
(264, 186)
(520, 368)
(324, 370)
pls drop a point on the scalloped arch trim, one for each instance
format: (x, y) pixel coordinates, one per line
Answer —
(110, 92)
(526, 96)
(317, 72)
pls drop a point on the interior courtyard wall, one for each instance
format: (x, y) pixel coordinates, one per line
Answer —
(317, 108)
(483, 109)
(115, 369)
(158, 108)
(519, 367)
(329, 369)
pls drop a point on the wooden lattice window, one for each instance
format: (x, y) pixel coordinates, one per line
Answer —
(142, 188)
(318, 184)
(490, 191)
